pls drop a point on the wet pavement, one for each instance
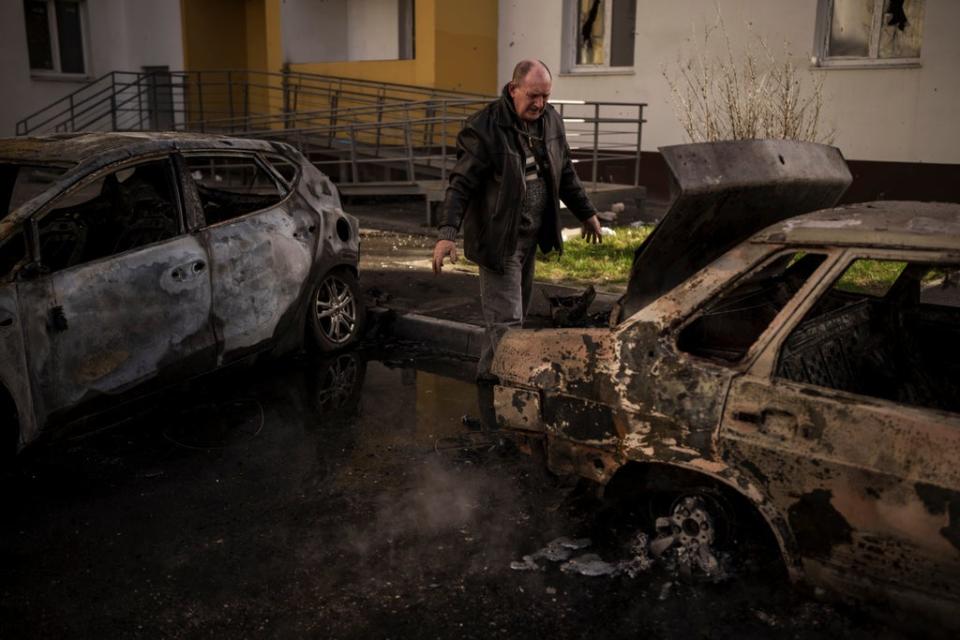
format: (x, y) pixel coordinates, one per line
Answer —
(338, 498)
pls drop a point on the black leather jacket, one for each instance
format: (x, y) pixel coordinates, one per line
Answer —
(487, 184)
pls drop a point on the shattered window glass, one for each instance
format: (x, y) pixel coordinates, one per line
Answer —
(730, 324)
(874, 29)
(590, 32)
(902, 29)
(232, 186)
(850, 27)
(887, 329)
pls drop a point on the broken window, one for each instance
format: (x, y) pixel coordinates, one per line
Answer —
(870, 31)
(887, 329)
(729, 325)
(231, 186)
(287, 170)
(20, 183)
(121, 211)
(55, 39)
(600, 33)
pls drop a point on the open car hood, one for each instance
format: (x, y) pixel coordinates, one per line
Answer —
(724, 193)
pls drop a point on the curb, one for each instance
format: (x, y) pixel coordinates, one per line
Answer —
(445, 335)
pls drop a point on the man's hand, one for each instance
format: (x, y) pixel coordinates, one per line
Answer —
(590, 232)
(441, 250)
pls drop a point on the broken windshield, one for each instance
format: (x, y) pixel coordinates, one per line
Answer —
(20, 182)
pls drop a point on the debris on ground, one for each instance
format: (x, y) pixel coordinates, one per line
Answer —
(588, 564)
(606, 216)
(569, 310)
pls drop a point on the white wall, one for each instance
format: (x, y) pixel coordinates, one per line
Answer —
(336, 30)
(907, 115)
(120, 35)
(314, 30)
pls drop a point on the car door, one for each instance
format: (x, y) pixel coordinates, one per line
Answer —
(261, 249)
(13, 369)
(851, 419)
(124, 297)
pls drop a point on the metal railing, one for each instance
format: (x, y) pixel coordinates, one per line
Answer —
(357, 131)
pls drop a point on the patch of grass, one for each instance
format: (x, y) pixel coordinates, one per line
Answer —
(582, 263)
(605, 263)
(871, 277)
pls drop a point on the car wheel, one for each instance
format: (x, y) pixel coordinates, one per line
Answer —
(336, 311)
(696, 527)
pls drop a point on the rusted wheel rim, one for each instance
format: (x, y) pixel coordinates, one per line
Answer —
(336, 310)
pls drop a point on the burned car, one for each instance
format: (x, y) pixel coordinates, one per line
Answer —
(132, 261)
(797, 359)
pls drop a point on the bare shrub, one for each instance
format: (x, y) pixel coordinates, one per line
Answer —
(747, 95)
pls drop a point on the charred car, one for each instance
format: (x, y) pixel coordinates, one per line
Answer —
(130, 262)
(773, 351)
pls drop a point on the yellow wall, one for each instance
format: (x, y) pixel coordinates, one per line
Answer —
(236, 35)
(456, 48)
(466, 43)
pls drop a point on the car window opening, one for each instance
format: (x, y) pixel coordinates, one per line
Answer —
(902, 346)
(129, 208)
(728, 326)
(231, 186)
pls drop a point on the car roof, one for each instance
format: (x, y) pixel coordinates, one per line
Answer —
(75, 148)
(887, 224)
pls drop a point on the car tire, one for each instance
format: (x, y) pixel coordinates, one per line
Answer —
(336, 312)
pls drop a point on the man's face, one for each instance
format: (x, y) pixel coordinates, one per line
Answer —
(531, 94)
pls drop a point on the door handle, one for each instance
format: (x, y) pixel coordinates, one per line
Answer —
(771, 421)
(182, 272)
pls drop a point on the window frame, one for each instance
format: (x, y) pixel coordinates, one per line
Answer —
(191, 184)
(83, 181)
(770, 333)
(766, 367)
(569, 41)
(57, 73)
(823, 60)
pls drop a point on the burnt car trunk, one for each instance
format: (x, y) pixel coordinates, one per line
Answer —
(724, 193)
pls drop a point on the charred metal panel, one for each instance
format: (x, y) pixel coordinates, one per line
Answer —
(727, 191)
(865, 484)
(517, 408)
(13, 362)
(260, 266)
(122, 320)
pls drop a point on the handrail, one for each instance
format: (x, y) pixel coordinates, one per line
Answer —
(410, 127)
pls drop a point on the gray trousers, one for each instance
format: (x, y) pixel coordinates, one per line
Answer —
(505, 298)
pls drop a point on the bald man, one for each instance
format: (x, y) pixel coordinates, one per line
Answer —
(513, 168)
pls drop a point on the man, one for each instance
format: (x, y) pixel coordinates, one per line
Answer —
(513, 168)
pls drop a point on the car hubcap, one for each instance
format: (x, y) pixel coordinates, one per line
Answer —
(336, 310)
(689, 530)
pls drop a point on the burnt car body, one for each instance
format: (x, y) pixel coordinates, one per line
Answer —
(752, 353)
(132, 261)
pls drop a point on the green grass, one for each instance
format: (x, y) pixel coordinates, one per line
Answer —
(605, 263)
(872, 277)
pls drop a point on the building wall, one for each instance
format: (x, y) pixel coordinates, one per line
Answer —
(456, 48)
(902, 115)
(120, 35)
